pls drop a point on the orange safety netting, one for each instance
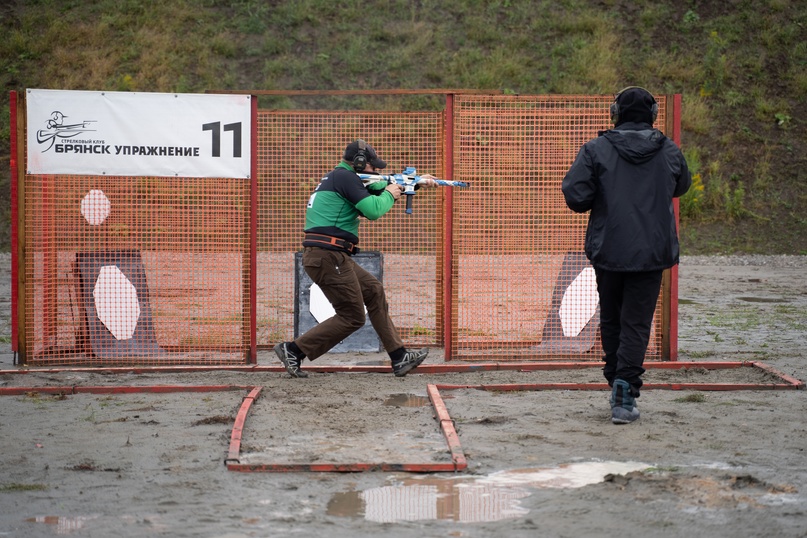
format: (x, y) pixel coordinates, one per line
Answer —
(122, 270)
(296, 149)
(513, 231)
(481, 271)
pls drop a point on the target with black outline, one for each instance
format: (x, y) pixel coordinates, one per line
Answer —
(573, 322)
(114, 302)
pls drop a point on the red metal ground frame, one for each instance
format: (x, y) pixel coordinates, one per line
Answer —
(458, 462)
(788, 382)
(458, 459)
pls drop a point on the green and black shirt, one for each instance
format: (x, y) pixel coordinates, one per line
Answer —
(340, 199)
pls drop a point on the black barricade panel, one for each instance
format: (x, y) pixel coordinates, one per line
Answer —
(311, 307)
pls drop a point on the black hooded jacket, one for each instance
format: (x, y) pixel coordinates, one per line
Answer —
(628, 177)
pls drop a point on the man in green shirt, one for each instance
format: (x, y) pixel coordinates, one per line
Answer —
(331, 228)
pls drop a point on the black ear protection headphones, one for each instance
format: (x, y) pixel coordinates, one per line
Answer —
(614, 109)
(360, 159)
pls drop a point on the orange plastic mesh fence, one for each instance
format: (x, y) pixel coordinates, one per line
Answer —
(513, 231)
(296, 149)
(182, 245)
(122, 270)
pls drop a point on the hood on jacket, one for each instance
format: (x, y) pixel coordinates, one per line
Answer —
(637, 145)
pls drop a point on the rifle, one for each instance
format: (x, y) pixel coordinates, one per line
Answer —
(408, 179)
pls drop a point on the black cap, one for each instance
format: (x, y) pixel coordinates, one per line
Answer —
(370, 155)
(636, 105)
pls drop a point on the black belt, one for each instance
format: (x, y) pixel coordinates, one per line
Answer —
(326, 241)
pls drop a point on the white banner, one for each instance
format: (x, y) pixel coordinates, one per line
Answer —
(138, 134)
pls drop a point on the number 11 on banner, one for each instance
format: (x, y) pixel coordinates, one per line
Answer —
(216, 129)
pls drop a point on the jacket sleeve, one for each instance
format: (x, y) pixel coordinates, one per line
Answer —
(684, 179)
(579, 185)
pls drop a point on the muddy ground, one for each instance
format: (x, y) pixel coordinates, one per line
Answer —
(549, 463)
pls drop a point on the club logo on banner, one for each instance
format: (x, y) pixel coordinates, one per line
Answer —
(138, 134)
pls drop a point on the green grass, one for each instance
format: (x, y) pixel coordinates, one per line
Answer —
(740, 318)
(696, 354)
(695, 397)
(742, 73)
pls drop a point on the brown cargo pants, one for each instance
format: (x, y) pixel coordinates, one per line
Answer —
(349, 288)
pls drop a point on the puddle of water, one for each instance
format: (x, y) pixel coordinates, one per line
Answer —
(571, 475)
(780, 499)
(407, 400)
(762, 300)
(443, 499)
(468, 500)
(62, 524)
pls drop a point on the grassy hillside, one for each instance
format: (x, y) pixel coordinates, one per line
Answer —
(741, 66)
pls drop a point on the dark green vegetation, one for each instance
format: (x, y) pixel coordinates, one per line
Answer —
(741, 66)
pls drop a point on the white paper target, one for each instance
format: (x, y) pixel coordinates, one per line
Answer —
(319, 305)
(579, 303)
(116, 302)
(95, 207)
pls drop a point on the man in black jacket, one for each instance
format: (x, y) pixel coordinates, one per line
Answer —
(627, 177)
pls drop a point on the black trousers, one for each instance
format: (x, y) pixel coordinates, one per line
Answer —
(627, 304)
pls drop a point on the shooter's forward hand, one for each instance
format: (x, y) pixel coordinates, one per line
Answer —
(427, 180)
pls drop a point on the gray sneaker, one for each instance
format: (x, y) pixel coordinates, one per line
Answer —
(409, 362)
(623, 403)
(289, 360)
(620, 415)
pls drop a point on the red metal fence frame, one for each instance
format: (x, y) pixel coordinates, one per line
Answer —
(447, 297)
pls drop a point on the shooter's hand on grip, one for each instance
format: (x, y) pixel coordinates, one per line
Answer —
(395, 190)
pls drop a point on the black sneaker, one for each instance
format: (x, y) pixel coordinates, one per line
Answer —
(409, 362)
(289, 360)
